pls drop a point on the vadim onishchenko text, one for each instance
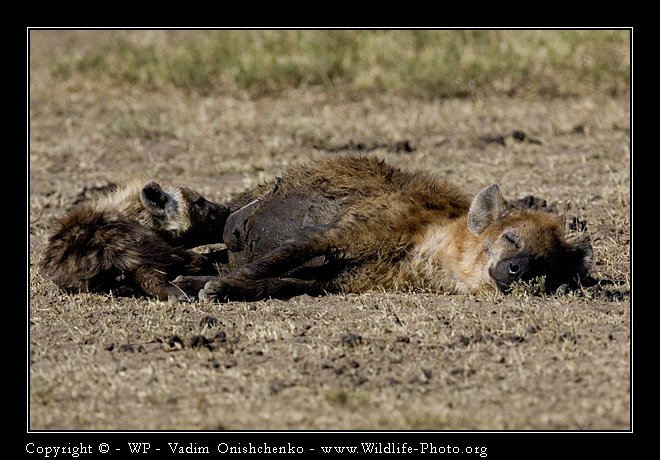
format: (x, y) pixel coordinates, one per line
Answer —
(78, 450)
(362, 448)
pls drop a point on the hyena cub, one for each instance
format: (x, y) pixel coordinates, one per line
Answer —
(351, 224)
(133, 240)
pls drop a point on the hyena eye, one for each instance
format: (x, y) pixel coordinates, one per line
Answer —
(512, 238)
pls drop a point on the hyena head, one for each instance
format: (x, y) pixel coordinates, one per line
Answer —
(522, 245)
(182, 215)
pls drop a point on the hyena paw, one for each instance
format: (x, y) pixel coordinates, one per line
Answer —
(181, 298)
(188, 286)
(214, 290)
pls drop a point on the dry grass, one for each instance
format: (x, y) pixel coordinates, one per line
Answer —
(377, 361)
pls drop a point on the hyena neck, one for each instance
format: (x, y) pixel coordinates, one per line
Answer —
(449, 257)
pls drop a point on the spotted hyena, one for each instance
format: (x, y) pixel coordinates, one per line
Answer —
(133, 240)
(352, 224)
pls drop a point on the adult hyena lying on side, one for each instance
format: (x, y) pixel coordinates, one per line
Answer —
(351, 224)
(134, 240)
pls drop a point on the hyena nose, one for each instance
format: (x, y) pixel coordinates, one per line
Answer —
(509, 270)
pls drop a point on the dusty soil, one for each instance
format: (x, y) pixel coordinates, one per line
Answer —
(376, 361)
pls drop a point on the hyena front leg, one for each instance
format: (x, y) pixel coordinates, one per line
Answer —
(259, 279)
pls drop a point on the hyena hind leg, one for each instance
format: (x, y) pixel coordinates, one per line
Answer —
(224, 289)
(260, 278)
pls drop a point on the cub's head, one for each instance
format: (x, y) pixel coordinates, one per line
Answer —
(182, 215)
(522, 245)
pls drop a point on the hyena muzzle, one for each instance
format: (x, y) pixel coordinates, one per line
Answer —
(352, 224)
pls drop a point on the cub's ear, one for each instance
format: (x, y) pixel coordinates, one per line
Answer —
(156, 200)
(488, 206)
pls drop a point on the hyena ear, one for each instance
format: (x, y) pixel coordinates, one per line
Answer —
(581, 255)
(156, 200)
(488, 206)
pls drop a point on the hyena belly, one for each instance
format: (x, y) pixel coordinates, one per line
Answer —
(133, 241)
(260, 227)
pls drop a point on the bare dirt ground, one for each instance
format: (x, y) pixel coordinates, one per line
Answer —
(376, 361)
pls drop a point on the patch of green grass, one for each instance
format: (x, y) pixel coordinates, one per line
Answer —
(535, 286)
(416, 62)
